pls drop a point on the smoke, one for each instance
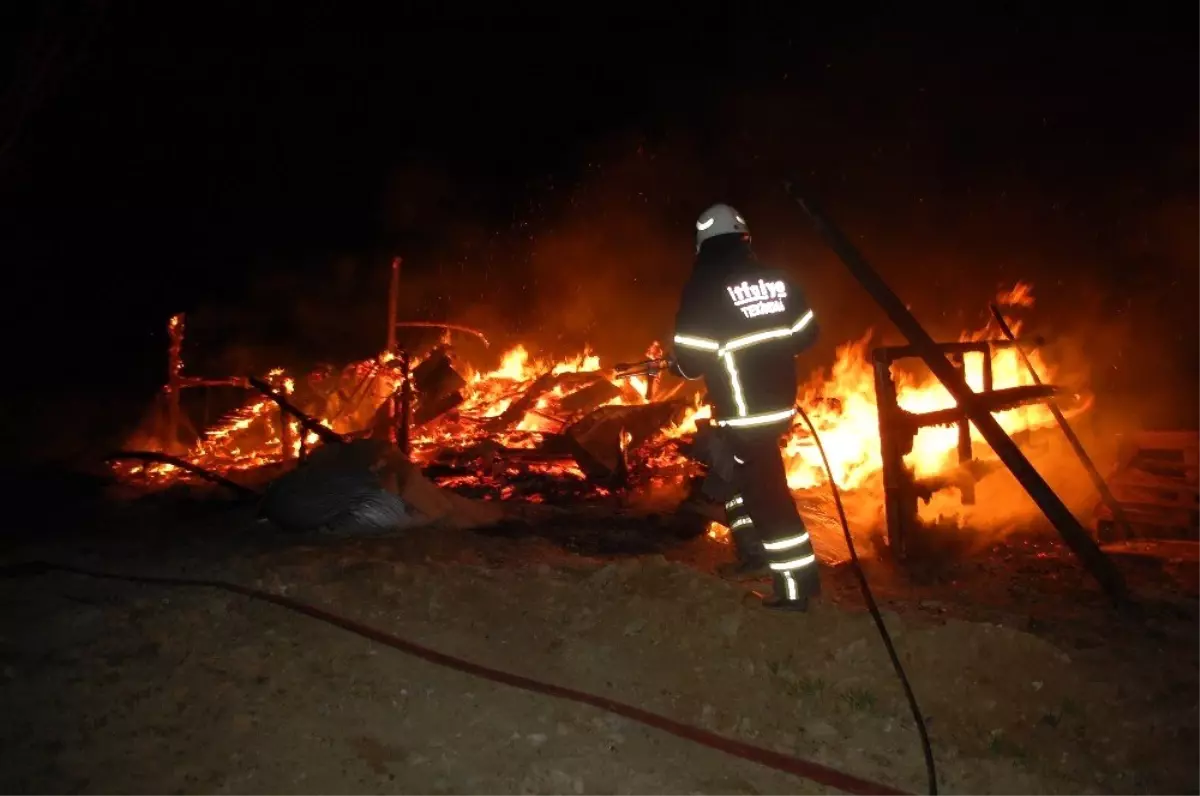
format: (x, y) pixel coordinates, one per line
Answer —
(597, 257)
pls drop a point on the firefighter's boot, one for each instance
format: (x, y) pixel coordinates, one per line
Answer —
(794, 589)
(751, 563)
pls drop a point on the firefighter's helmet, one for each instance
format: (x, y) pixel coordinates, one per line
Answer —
(719, 220)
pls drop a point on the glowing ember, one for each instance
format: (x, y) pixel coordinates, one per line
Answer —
(718, 532)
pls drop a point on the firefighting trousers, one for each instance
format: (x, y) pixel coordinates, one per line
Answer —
(764, 512)
(746, 540)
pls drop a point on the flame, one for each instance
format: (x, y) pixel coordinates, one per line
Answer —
(840, 401)
(717, 532)
(1021, 295)
(842, 405)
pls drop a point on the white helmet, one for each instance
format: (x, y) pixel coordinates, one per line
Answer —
(719, 220)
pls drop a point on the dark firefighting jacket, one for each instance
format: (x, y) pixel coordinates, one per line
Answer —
(740, 326)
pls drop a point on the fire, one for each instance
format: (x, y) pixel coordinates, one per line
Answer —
(717, 532)
(840, 401)
(842, 406)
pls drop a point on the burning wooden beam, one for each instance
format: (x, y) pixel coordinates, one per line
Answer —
(393, 303)
(174, 386)
(242, 491)
(1073, 534)
(1105, 493)
(520, 407)
(543, 384)
(599, 440)
(326, 434)
(600, 391)
(438, 388)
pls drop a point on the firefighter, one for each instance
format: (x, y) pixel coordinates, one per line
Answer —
(740, 326)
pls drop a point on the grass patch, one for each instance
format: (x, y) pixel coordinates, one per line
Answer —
(860, 700)
(1003, 747)
(810, 687)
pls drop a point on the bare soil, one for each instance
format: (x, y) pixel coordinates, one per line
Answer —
(1029, 681)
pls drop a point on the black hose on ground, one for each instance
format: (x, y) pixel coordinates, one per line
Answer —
(926, 748)
(823, 775)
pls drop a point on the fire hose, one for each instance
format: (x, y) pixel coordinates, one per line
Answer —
(824, 775)
(815, 772)
(654, 366)
(873, 608)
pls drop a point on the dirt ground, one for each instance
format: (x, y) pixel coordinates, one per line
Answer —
(1029, 682)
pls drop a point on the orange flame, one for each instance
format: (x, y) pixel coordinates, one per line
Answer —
(840, 401)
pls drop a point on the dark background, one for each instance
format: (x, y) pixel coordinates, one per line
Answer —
(257, 166)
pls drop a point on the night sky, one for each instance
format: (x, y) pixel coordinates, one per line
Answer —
(257, 168)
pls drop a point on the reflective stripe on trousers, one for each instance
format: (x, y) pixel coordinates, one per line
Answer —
(746, 540)
(770, 509)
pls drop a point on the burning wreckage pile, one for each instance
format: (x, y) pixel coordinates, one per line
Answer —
(572, 431)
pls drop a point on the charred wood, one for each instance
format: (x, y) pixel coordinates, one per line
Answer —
(995, 401)
(1073, 534)
(324, 432)
(596, 440)
(163, 458)
(599, 392)
(429, 410)
(435, 378)
(570, 382)
(540, 386)
(517, 409)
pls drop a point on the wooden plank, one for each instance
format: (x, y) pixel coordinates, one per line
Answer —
(1151, 479)
(598, 392)
(1166, 470)
(1153, 502)
(1148, 520)
(1180, 449)
(595, 440)
(1170, 493)
(1163, 485)
(1155, 496)
(1149, 509)
(1155, 481)
(1168, 440)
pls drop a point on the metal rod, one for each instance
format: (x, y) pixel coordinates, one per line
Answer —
(1072, 532)
(454, 327)
(1106, 494)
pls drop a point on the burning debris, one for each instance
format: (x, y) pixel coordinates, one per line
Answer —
(571, 430)
(365, 487)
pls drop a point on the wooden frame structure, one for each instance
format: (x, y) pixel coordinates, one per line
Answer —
(1156, 484)
(898, 428)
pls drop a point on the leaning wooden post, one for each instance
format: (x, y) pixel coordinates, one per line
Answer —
(395, 409)
(1097, 480)
(174, 384)
(1093, 558)
(393, 302)
(404, 422)
(285, 436)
